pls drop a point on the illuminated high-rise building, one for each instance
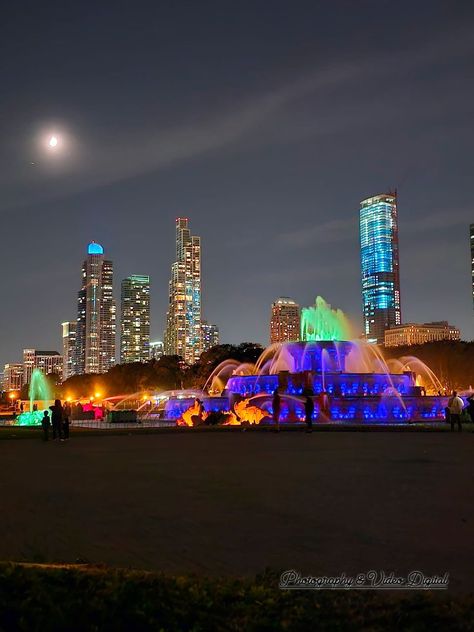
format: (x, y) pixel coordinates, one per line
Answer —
(48, 362)
(379, 265)
(209, 335)
(156, 350)
(471, 235)
(285, 320)
(12, 377)
(135, 319)
(69, 330)
(95, 336)
(183, 319)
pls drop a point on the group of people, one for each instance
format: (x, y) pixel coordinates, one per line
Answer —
(323, 401)
(58, 421)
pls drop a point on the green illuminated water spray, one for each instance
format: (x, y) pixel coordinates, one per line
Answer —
(39, 388)
(321, 322)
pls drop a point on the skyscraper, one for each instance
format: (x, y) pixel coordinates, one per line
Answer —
(156, 350)
(209, 335)
(12, 376)
(48, 362)
(285, 320)
(69, 330)
(379, 265)
(135, 319)
(183, 319)
(95, 337)
(471, 234)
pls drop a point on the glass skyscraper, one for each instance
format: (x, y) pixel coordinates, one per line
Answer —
(135, 319)
(379, 265)
(183, 319)
(95, 332)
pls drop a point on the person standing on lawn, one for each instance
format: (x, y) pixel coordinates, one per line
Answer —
(455, 405)
(308, 412)
(276, 406)
(45, 424)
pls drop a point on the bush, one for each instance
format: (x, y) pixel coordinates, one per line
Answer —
(92, 599)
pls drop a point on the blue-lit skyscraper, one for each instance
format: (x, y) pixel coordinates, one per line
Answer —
(379, 265)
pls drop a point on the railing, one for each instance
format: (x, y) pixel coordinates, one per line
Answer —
(106, 425)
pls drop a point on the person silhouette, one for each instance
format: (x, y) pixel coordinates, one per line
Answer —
(45, 424)
(276, 407)
(57, 419)
(308, 412)
(66, 417)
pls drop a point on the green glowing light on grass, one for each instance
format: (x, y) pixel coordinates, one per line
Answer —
(32, 418)
(321, 322)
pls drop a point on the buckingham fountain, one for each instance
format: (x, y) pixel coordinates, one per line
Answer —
(349, 380)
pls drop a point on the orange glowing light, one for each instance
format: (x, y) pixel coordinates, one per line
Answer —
(186, 418)
(231, 420)
(251, 414)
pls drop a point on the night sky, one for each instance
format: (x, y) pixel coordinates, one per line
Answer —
(264, 122)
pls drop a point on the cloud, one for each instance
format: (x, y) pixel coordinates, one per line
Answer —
(282, 276)
(126, 156)
(443, 218)
(331, 232)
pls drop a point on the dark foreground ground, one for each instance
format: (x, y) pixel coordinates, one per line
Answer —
(233, 504)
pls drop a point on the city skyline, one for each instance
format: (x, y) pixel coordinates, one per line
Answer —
(95, 251)
(270, 164)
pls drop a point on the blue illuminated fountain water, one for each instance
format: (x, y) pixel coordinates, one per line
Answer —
(352, 374)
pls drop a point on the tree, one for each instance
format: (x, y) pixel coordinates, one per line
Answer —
(156, 375)
(199, 372)
(451, 361)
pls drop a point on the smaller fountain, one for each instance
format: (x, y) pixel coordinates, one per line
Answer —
(41, 398)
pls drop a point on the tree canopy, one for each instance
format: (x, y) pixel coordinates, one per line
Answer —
(167, 373)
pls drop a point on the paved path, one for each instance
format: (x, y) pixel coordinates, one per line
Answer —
(235, 503)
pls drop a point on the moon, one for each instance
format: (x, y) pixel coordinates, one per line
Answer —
(53, 141)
